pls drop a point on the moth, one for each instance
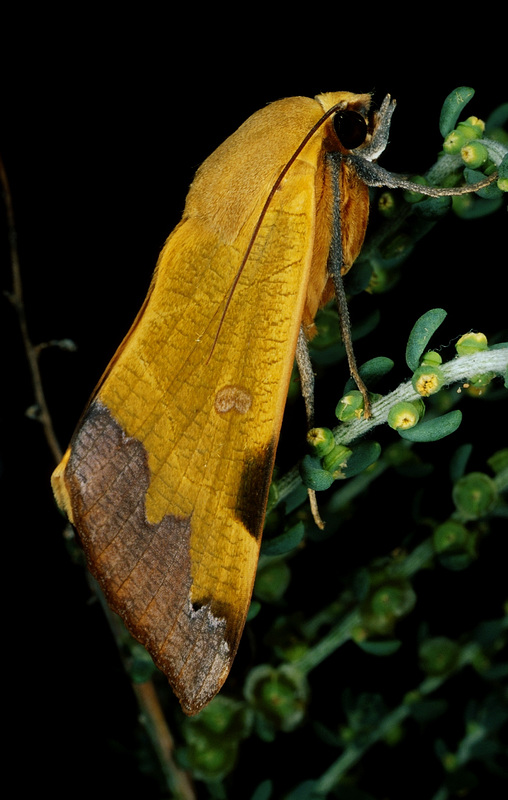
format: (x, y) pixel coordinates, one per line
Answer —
(167, 474)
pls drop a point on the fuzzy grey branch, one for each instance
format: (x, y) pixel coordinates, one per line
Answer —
(462, 368)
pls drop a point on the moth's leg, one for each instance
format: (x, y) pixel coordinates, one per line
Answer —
(335, 263)
(307, 385)
(306, 375)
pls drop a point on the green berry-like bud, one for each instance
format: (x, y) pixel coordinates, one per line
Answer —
(427, 380)
(403, 415)
(336, 459)
(474, 154)
(387, 205)
(211, 761)
(462, 204)
(478, 125)
(474, 495)
(451, 537)
(350, 406)
(321, 440)
(455, 141)
(482, 380)
(439, 655)
(279, 695)
(471, 343)
(393, 601)
(502, 181)
(431, 359)
(470, 132)
(382, 280)
(454, 545)
(499, 461)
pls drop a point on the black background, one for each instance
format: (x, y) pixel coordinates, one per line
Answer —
(103, 124)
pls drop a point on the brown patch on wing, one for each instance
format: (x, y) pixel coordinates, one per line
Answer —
(253, 491)
(144, 569)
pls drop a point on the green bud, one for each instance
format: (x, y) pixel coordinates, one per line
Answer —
(471, 343)
(382, 280)
(468, 131)
(336, 459)
(450, 762)
(387, 205)
(427, 380)
(481, 381)
(431, 359)
(455, 141)
(393, 601)
(451, 537)
(224, 715)
(454, 545)
(412, 697)
(272, 580)
(474, 154)
(279, 695)
(350, 406)
(474, 495)
(478, 126)
(499, 461)
(321, 440)
(212, 738)
(502, 184)
(439, 655)
(359, 634)
(403, 415)
(394, 735)
(273, 494)
(211, 761)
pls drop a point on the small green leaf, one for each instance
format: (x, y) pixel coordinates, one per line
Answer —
(467, 206)
(421, 334)
(263, 791)
(474, 495)
(433, 429)
(371, 372)
(304, 791)
(459, 461)
(285, 542)
(364, 454)
(313, 475)
(498, 118)
(380, 648)
(452, 108)
(490, 192)
(503, 167)
(433, 208)
(254, 609)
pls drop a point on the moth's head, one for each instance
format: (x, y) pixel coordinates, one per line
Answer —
(352, 123)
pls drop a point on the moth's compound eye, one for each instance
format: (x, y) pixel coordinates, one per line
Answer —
(351, 128)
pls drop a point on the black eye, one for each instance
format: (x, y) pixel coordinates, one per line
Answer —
(351, 128)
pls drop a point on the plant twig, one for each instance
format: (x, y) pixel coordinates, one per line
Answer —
(16, 299)
(148, 702)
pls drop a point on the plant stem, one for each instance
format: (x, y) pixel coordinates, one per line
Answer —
(152, 715)
(16, 299)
